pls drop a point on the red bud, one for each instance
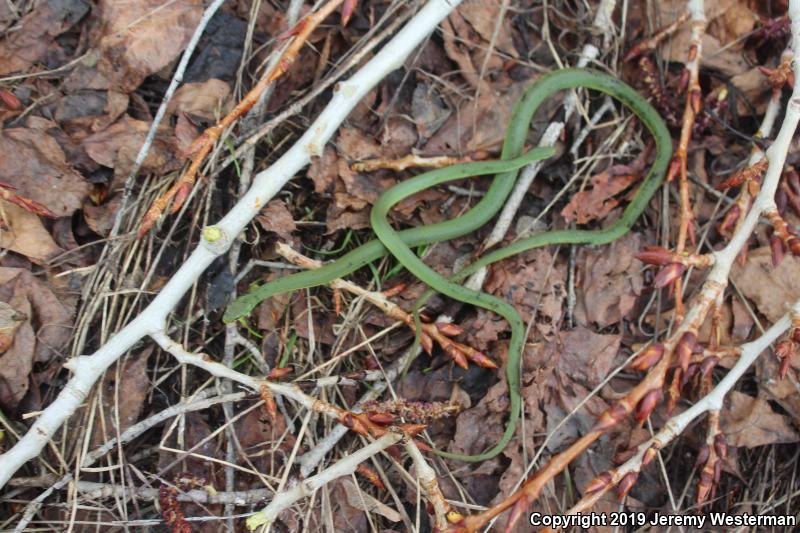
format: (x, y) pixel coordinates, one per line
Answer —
(9, 100)
(729, 220)
(654, 255)
(610, 417)
(448, 329)
(781, 201)
(721, 445)
(598, 483)
(426, 342)
(348, 7)
(394, 291)
(456, 355)
(704, 486)
(674, 168)
(626, 484)
(776, 247)
(690, 373)
(481, 359)
(708, 365)
(278, 373)
(647, 404)
(702, 456)
(384, 419)
(649, 357)
(649, 454)
(684, 349)
(668, 274)
(784, 368)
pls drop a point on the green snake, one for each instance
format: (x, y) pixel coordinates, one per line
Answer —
(506, 169)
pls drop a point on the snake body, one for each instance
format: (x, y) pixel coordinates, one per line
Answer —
(512, 159)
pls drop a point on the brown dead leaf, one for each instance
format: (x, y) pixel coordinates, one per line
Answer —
(587, 357)
(399, 137)
(186, 132)
(275, 217)
(324, 170)
(535, 284)
(728, 22)
(10, 321)
(100, 218)
(355, 145)
(783, 391)
(749, 422)
(140, 38)
(772, 289)
(594, 204)
(467, 33)
(346, 517)
(482, 125)
(610, 280)
(361, 500)
(599, 201)
(90, 110)
(203, 99)
(25, 234)
(123, 399)
(30, 298)
(193, 103)
(271, 310)
(490, 415)
(34, 163)
(755, 89)
(117, 146)
(33, 36)
(428, 110)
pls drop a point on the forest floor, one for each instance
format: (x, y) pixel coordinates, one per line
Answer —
(163, 444)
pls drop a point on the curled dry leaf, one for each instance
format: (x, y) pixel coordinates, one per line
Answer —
(467, 33)
(489, 415)
(324, 170)
(24, 233)
(202, 99)
(33, 36)
(10, 321)
(587, 356)
(772, 289)
(535, 284)
(123, 399)
(749, 422)
(729, 21)
(34, 163)
(610, 281)
(597, 202)
(361, 500)
(275, 217)
(117, 146)
(43, 334)
(481, 125)
(89, 110)
(140, 38)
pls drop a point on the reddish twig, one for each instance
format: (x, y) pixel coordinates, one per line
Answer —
(201, 146)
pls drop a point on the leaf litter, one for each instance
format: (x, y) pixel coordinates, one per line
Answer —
(74, 148)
